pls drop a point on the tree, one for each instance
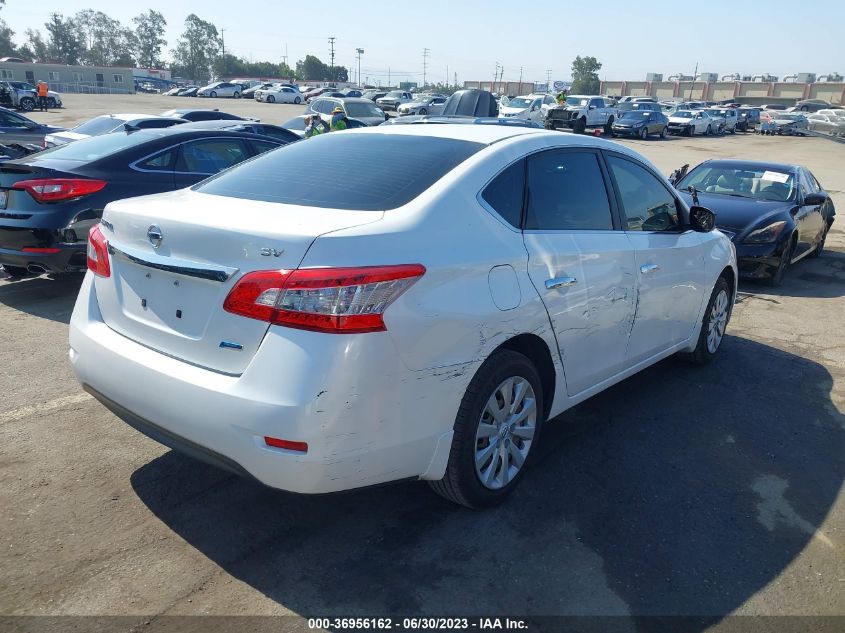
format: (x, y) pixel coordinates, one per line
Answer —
(35, 46)
(106, 41)
(313, 68)
(7, 46)
(149, 33)
(64, 44)
(585, 76)
(197, 49)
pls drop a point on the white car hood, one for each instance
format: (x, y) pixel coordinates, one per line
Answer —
(67, 136)
(680, 119)
(513, 111)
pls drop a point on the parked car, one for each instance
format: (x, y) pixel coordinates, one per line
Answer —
(51, 199)
(423, 104)
(628, 106)
(373, 95)
(54, 100)
(691, 122)
(362, 109)
(190, 91)
(528, 107)
(16, 128)
(249, 93)
(791, 124)
(636, 99)
(748, 118)
(476, 266)
(18, 99)
(393, 99)
(580, 112)
(640, 123)
(352, 93)
(727, 118)
(192, 114)
(826, 123)
(775, 214)
(837, 112)
(813, 105)
(221, 89)
(279, 94)
(297, 125)
(173, 91)
(316, 92)
(107, 123)
(252, 127)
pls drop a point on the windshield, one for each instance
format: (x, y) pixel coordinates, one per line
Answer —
(357, 110)
(576, 101)
(790, 117)
(98, 125)
(520, 102)
(394, 94)
(96, 147)
(757, 183)
(634, 115)
(682, 114)
(422, 98)
(391, 170)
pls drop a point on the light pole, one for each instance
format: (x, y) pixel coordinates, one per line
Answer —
(360, 52)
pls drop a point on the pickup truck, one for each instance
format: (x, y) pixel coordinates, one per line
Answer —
(580, 112)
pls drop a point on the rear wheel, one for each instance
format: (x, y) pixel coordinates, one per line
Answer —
(27, 104)
(644, 133)
(237, 95)
(212, 94)
(580, 126)
(15, 271)
(297, 100)
(713, 326)
(664, 132)
(496, 427)
(271, 99)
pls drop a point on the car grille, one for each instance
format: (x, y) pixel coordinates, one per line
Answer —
(559, 114)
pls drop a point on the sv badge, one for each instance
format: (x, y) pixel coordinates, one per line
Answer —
(268, 252)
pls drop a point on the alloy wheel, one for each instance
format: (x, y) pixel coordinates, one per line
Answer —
(717, 322)
(505, 432)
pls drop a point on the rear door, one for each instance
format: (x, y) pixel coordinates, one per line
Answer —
(580, 263)
(669, 259)
(811, 223)
(205, 157)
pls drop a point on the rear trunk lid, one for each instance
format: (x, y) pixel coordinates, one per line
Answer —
(170, 297)
(17, 207)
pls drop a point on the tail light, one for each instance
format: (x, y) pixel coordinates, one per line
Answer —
(58, 189)
(335, 300)
(98, 252)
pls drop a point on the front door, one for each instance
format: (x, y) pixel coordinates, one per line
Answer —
(669, 260)
(582, 266)
(809, 218)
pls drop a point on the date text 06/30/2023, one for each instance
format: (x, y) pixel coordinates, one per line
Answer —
(417, 624)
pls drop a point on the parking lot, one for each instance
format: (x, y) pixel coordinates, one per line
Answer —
(696, 491)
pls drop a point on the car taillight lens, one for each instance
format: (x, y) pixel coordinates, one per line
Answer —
(57, 189)
(336, 300)
(98, 252)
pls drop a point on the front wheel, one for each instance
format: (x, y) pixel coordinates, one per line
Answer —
(27, 104)
(297, 100)
(497, 425)
(580, 126)
(51, 103)
(212, 94)
(713, 326)
(776, 278)
(709, 131)
(608, 127)
(423, 111)
(644, 133)
(663, 132)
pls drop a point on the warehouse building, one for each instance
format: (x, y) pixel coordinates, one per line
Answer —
(71, 79)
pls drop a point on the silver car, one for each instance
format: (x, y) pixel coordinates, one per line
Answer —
(727, 118)
(393, 99)
(221, 89)
(423, 104)
(790, 124)
(363, 110)
(827, 123)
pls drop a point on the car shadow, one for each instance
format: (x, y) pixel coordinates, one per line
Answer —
(45, 297)
(822, 277)
(683, 490)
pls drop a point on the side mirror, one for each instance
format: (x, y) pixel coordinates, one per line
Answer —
(814, 199)
(702, 219)
(592, 107)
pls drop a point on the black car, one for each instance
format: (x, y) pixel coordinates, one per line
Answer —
(49, 200)
(775, 214)
(15, 128)
(297, 124)
(372, 95)
(253, 127)
(194, 114)
(640, 123)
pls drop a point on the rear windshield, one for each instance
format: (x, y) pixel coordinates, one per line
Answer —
(97, 146)
(98, 125)
(367, 172)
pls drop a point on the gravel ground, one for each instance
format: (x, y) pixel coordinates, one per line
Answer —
(681, 491)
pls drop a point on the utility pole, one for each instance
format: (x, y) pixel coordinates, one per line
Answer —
(520, 78)
(692, 85)
(285, 56)
(425, 63)
(331, 57)
(388, 77)
(360, 52)
(495, 76)
(223, 44)
(549, 80)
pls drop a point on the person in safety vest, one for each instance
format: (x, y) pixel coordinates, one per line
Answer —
(42, 95)
(314, 125)
(339, 120)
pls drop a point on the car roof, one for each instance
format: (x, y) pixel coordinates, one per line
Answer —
(133, 117)
(751, 164)
(486, 134)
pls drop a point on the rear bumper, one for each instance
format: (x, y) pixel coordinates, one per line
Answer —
(366, 418)
(70, 258)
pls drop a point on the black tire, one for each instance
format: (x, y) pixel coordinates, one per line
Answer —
(733, 130)
(580, 126)
(212, 94)
(776, 278)
(608, 127)
(804, 108)
(819, 249)
(271, 99)
(614, 134)
(423, 111)
(16, 272)
(51, 103)
(703, 354)
(691, 131)
(664, 132)
(644, 133)
(297, 100)
(709, 131)
(27, 104)
(461, 483)
(237, 95)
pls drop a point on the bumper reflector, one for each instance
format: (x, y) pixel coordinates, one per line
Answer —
(275, 442)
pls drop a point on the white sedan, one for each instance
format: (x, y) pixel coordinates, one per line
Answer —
(691, 122)
(221, 89)
(279, 94)
(422, 319)
(423, 104)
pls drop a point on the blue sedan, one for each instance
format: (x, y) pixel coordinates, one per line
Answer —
(16, 128)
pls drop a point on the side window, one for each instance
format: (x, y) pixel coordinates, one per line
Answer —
(566, 192)
(279, 133)
(208, 156)
(262, 146)
(7, 119)
(646, 202)
(505, 193)
(154, 123)
(808, 184)
(163, 161)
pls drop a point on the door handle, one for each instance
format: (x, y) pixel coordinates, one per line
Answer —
(560, 282)
(647, 269)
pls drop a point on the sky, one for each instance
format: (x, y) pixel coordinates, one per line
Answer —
(630, 38)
